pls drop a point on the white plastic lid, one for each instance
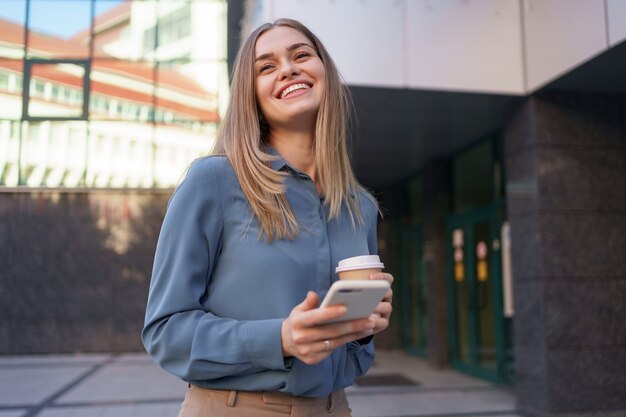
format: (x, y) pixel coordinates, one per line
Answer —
(359, 262)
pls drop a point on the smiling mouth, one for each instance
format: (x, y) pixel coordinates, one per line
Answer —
(293, 88)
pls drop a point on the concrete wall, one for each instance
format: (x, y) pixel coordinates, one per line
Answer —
(75, 269)
(566, 202)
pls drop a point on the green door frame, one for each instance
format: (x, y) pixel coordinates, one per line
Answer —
(492, 214)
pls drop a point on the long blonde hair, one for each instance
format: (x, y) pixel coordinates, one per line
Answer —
(243, 139)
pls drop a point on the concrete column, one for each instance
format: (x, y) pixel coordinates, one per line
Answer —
(435, 205)
(566, 171)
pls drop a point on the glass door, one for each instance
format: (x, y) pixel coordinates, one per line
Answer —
(478, 327)
(412, 292)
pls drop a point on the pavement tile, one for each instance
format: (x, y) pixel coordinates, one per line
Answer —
(52, 360)
(13, 413)
(126, 381)
(432, 403)
(131, 410)
(31, 385)
(131, 385)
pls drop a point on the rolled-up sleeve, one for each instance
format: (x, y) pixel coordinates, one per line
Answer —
(178, 333)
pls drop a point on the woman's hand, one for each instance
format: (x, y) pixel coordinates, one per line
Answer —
(383, 310)
(305, 338)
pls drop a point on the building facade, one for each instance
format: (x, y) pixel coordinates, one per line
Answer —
(494, 134)
(103, 104)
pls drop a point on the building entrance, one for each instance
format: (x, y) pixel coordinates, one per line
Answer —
(480, 335)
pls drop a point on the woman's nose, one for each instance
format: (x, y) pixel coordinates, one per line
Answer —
(288, 69)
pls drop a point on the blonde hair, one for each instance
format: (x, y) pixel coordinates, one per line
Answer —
(243, 139)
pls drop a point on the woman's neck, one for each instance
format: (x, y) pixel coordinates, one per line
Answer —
(296, 148)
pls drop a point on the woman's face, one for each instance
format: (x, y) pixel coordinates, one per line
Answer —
(289, 78)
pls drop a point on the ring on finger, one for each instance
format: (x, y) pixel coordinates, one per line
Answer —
(326, 345)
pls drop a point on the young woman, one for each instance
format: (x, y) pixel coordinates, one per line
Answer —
(251, 239)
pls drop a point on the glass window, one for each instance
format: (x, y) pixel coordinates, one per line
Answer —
(208, 22)
(177, 146)
(121, 90)
(11, 78)
(169, 34)
(157, 81)
(185, 94)
(9, 152)
(76, 156)
(135, 38)
(59, 29)
(53, 153)
(55, 90)
(175, 24)
(473, 177)
(113, 34)
(120, 154)
(12, 18)
(415, 201)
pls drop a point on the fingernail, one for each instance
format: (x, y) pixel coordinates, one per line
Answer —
(368, 332)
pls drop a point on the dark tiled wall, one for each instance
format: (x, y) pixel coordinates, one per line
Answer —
(566, 197)
(75, 269)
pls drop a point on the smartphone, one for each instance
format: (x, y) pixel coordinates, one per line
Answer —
(359, 296)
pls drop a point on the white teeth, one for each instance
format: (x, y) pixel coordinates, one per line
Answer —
(292, 88)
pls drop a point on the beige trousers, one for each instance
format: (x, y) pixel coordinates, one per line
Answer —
(202, 402)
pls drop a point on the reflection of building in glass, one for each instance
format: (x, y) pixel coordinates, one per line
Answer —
(130, 110)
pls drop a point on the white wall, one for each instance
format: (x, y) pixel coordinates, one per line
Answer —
(495, 46)
(560, 35)
(456, 45)
(616, 11)
(365, 38)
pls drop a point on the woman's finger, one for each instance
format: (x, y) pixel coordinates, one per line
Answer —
(383, 309)
(382, 276)
(317, 317)
(333, 330)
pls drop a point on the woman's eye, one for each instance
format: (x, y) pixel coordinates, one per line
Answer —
(302, 55)
(264, 68)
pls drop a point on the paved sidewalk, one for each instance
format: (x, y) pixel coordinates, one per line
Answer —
(130, 385)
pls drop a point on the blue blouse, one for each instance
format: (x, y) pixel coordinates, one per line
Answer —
(219, 294)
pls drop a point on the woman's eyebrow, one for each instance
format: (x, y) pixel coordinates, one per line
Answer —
(289, 49)
(263, 56)
(298, 45)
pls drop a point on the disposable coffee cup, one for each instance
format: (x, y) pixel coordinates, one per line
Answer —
(359, 267)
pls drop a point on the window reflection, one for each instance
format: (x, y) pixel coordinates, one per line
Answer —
(53, 25)
(206, 45)
(170, 34)
(181, 98)
(121, 90)
(55, 90)
(9, 152)
(11, 80)
(176, 146)
(53, 153)
(157, 81)
(120, 155)
(12, 18)
(119, 28)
